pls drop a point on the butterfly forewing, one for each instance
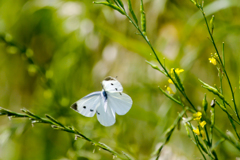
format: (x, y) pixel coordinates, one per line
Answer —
(106, 118)
(112, 86)
(121, 103)
(88, 105)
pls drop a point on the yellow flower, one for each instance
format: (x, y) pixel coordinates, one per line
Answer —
(171, 70)
(197, 116)
(170, 81)
(202, 124)
(203, 135)
(177, 70)
(196, 131)
(212, 60)
(170, 91)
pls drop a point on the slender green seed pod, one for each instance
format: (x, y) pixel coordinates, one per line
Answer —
(202, 146)
(212, 120)
(143, 18)
(193, 2)
(205, 103)
(109, 1)
(212, 24)
(113, 6)
(222, 107)
(213, 90)
(120, 3)
(186, 127)
(178, 80)
(132, 12)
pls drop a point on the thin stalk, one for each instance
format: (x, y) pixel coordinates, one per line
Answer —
(59, 126)
(156, 56)
(236, 144)
(223, 55)
(222, 63)
(221, 91)
(196, 141)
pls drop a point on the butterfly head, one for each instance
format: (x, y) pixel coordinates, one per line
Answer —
(109, 78)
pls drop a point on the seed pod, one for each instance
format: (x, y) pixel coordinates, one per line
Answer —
(212, 24)
(132, 12)
(113, 6)
(143, 18)
(205, 103)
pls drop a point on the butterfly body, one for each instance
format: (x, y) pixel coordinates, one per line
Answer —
(105, 103)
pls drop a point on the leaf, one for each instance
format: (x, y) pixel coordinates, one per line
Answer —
(156, 67)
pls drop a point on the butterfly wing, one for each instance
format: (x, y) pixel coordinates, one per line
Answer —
(120, 102)
(112, 85)
(106, 118)
(88, 105)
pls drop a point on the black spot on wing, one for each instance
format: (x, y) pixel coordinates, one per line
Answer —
(116, 89)
(120, 93)
(74, 106)
(98, 113)
(84, 107)
(91, 110)
(112, 84)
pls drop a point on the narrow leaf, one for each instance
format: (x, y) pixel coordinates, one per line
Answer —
(170, 97)
(155, 67)
(218, 143)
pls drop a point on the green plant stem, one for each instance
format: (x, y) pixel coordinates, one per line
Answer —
(59, 126)
(196, 142)
(229, 117)
(236, 144)
(156, 56)
(221, 62)
(170, 131)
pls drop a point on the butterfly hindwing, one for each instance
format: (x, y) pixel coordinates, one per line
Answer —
(120, 102)
(88, 105)
(106, 118)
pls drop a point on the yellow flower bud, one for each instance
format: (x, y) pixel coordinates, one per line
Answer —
(170, 91)
(212, 60)
(196, 131)
(203, 135)
(170, 81)
(197, 116)
(202, 124)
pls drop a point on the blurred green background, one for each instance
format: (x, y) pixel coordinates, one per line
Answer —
(54, 52)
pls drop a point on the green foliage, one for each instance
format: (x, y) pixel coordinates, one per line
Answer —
(52, 54)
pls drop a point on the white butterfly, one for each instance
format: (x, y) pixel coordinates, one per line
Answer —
(105, 103)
